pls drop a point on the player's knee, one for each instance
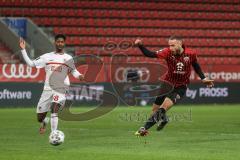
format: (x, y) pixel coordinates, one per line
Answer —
(55, 107)
(53, 115)
(167, 103)
(155, 107)
(40, 117)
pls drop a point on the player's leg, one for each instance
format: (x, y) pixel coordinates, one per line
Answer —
(43, 120)
(41, 116)
(159, 115)
(42, 109)
(54, 115)
(154, 118)
(155, 107)
(58, 101)
(156, 113)
(163, 119)
(170, 100)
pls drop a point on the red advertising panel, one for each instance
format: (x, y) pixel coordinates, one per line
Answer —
(105, 72)
(24, 73)
(20, 73)
(220, 73)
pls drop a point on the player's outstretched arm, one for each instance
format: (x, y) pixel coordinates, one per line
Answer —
(208, 82)
(81, 77)
(77, 75)
(144, 50)
(22, 45)
(200, 73)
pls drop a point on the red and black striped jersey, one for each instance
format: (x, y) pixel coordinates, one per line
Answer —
(179, 66)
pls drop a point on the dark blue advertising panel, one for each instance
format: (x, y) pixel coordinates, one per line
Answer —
(28, 94)
(19, 25)
(20, 94)
(220, 93)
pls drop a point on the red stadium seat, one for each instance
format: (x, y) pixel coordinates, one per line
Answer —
(211, 28)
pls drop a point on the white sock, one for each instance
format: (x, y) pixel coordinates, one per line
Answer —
(44, 122)
(54, 121)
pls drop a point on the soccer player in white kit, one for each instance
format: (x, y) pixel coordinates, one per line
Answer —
(57, 65)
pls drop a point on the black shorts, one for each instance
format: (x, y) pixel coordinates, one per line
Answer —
(175, 95)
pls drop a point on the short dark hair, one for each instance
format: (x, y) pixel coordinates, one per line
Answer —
(174, 37)
(60, 36)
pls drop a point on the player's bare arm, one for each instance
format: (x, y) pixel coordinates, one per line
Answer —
(77, 75)
(22, 45)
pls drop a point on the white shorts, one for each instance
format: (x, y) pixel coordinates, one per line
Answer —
(49, 96)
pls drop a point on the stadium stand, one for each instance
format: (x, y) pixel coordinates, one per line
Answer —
(6, 55)
(211, 27)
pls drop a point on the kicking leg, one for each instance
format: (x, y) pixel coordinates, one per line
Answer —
(155, 107)
(167, 104)
(159, 113)
(156, 112)
(155, 117)
(169, 101)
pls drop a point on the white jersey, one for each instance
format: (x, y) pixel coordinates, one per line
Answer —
(57, 67)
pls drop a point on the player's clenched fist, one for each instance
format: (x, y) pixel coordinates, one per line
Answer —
(138, 42)
(81, 77)
(22, 43)
(208, 82)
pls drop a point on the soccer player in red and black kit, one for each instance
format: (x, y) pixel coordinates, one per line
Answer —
(179, 60)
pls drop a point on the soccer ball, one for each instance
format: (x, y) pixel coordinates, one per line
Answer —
(143, 103)
(56, 137)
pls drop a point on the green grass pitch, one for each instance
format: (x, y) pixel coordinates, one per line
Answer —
(194, 133)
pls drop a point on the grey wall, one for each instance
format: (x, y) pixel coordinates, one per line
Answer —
(38, 39)
(38, 42)
(10, 38)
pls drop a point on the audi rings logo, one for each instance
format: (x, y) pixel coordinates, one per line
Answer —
(121, 73)
(19, 71)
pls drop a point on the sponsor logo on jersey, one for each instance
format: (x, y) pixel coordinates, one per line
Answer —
(186, 59)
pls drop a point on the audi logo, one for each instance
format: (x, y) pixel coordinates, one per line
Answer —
(19, 71)
(121, 73)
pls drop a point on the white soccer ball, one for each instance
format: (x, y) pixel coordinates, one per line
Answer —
(56, 137)
(143, 103)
